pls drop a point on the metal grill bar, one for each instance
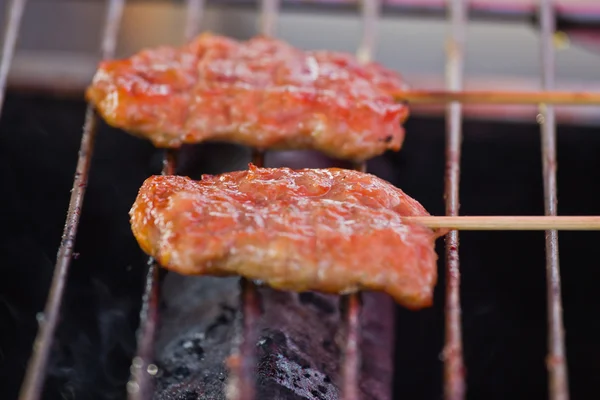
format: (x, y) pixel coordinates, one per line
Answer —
(454, 380)
(350, 309)
(9, 43)
(243, 366)
(244, 369)
(556, 361)
(371, 11)
(141, 387)
(351, 305)
(36, 371)
(269, 16)
(194, 11)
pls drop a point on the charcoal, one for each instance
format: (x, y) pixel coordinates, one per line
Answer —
(297, 352)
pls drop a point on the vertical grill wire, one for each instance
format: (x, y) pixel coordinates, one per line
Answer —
(36, 370)
(15, 9)
(244, 369)
(370, 12)
(454, 379)
(193, 16)
(556, 360)
(269, 15)
(141, 386)
(351, 305)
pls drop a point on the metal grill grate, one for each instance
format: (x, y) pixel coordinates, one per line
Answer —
(36, 371)
(556, 362)
(140, 387)
(454, 382)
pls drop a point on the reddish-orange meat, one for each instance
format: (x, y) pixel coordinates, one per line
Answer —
(262, 93)
(330, 230)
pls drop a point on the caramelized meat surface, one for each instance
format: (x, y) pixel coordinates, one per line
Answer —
(262, 93)
(329, 230)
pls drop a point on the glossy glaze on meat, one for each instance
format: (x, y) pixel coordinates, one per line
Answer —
(262, 93)
(330, 230)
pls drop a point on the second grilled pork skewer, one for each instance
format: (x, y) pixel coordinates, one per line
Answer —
(331, 230)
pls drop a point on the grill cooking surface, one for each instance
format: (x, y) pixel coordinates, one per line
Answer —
(290, 361)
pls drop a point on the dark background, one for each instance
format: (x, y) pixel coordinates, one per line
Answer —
(503, 290)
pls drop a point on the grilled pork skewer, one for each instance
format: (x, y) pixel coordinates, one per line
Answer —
(330, 230)
(262, 93)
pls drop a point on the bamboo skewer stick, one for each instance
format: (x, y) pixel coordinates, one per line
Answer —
(510, 223)
(497, 97)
